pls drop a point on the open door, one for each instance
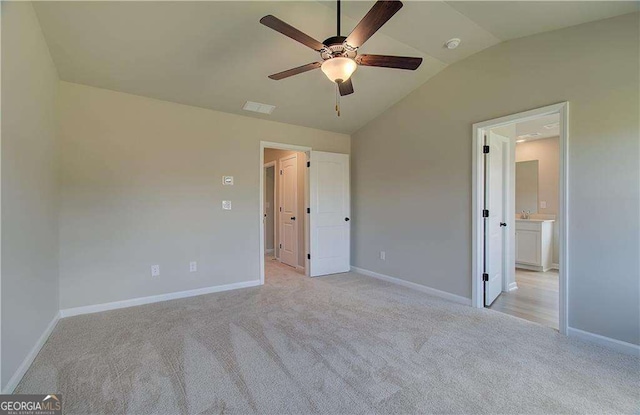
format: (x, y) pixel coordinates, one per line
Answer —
(496, 158)
(288, 210)
(329, 214)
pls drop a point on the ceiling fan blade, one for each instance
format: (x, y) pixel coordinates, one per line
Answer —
(295, 71)
(346, 87)
(288, 30)
(372, 21)
(398, 62)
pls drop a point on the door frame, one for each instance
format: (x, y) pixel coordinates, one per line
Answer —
(275, 192)
(291, 147)
(479, 129)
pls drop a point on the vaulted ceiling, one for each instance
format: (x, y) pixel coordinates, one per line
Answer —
(216, 54)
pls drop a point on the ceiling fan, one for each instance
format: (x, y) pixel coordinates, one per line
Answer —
(339, 53)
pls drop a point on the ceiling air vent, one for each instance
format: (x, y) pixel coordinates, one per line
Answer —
(258, 107)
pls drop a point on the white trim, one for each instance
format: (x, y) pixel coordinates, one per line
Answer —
(418, 287)
(270, 251)
(478, 190)
(555, 266)
(279, 146)
(69, 312)
(26, 363)
(608, 342)
(512, 287)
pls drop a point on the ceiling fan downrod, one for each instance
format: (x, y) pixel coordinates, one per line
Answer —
(338, 19)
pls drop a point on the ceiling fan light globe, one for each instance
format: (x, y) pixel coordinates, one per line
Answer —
(339, 69)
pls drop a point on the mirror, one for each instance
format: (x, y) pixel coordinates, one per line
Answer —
(527, 186)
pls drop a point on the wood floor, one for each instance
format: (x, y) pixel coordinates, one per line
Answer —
(536, 298)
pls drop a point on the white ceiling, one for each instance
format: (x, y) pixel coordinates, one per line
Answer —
(539, 128)
(216, 54)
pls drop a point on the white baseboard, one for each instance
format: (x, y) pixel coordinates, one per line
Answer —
(26, 363)
(512, 286)
(555, 266)
(423, 288)
(617, 345)
(69, 312)
(269, 251)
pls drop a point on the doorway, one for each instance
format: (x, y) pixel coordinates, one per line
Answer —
(311, 210)
(286, 220)
(519, 215)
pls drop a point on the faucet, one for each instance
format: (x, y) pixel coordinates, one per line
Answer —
(525, 214)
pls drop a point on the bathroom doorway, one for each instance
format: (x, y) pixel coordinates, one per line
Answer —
(520, 229)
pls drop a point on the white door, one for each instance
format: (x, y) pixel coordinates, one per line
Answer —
(330, 211)
(495, 224)
(288, 210)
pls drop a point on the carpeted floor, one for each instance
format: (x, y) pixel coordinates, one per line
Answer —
(340, 344)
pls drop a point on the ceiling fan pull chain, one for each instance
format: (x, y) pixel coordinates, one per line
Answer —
(337, 99)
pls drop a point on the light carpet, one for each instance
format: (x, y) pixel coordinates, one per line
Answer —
(343, 344)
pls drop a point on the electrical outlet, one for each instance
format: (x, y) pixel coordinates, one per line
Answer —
(155, 270)
(193, 266)
(383, 255)
(226, 204)
(543, 204)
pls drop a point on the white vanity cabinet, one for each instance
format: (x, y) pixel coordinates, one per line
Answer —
(534, 244)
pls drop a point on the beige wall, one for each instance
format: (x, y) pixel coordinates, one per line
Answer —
(271, 154)
(547, 152)
(29, 269)
(411, 167)
(141, 184)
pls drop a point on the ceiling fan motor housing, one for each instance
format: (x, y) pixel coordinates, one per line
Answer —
(335, 47)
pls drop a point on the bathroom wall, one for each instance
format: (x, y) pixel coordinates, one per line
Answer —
(547, 152)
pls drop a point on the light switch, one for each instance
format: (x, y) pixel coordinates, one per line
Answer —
(227, 180)
(543, 204)
(226, 204)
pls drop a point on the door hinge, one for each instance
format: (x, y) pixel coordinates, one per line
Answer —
(280, 172)
(280, 246)
(280, 208)
(485, 213)
(308, 164)
(485, 149)
(308, 210)
(485, 277)
(308, 256)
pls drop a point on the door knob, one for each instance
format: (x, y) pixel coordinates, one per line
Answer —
(503, 224)
(293, 218)
(347, 219)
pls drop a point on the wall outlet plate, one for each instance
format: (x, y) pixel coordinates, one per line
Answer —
(383, 255)
(227, 180)
(226, 204)
(193, 266)
(155, 270)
